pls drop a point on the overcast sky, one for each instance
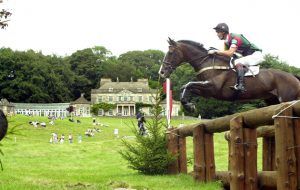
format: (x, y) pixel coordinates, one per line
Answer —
(63, 26)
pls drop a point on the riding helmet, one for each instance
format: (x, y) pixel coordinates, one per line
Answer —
(223, 27)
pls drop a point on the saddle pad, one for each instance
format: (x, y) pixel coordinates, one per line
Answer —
(253, 70)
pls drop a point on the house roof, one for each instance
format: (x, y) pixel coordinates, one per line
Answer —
(107, 86)
(81, 100)
(5, 102)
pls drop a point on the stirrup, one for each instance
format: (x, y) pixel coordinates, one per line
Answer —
(235, 87)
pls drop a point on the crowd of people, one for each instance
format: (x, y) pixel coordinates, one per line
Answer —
(90, 132)
(54, 139)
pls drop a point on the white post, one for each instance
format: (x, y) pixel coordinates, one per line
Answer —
(168, 110)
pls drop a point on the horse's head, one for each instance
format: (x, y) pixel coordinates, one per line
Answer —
(172, 60)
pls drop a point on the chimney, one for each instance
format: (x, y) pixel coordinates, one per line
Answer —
(145, 81)
(104, 80)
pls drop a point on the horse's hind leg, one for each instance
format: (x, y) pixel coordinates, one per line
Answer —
(272, 101)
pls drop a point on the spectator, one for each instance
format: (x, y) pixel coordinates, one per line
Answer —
(55, 138)
(79, 138)
(62, 138)
(70, 138)
(141, 120)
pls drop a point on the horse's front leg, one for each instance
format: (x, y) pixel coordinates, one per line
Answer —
(190, 89)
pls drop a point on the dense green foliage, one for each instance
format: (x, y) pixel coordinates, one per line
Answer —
(104, 106)
(148, 154)
(28, 76)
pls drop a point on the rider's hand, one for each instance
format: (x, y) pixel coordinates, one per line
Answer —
(212, 51)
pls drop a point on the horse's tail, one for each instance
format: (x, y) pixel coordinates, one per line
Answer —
(3, 125)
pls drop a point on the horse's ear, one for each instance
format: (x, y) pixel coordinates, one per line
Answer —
(172, 42)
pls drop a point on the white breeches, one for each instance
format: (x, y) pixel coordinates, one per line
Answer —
(253, 59)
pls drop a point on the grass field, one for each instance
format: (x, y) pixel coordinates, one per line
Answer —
(31, 162)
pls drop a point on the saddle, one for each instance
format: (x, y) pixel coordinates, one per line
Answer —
(250, 70)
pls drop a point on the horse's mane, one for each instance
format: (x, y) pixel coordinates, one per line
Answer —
(192, 43)
(201, 48)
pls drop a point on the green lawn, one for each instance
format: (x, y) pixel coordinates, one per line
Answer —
(31, 162)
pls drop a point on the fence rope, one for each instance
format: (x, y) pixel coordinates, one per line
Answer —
(292, 147)
(171, 131)
(291, 117)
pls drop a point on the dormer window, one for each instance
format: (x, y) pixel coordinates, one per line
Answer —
(139, 89)
(110, 89)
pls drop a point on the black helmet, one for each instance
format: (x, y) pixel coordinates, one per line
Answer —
(223, 27)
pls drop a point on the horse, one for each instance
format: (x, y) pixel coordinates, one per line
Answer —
(215, 77)
(3, 125)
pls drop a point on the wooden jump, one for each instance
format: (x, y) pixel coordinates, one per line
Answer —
(281, 148)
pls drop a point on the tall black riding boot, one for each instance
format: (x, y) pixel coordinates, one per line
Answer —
(240, 80)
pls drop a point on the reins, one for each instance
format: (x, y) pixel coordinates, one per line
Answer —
(214, 67)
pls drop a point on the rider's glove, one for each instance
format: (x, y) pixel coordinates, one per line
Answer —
(212, 51)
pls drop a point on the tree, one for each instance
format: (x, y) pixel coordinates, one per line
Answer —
(70, 109)
(148, 154)
(4, 14)
(145, 63)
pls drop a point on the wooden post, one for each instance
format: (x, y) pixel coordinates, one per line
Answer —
(285, 154)
(297, 148)
(236, 175)
(182, 155)
(199, 151)
(268, 154)
(210, 167)
(172, 139)
(227, 137)
(250, 163)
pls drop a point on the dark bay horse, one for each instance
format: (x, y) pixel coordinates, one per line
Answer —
(214, 77)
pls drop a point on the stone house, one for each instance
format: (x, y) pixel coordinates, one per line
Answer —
(126, 95)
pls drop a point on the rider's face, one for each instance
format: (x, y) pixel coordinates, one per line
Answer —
(221, 35)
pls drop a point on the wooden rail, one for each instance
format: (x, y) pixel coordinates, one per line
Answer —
(281, 152)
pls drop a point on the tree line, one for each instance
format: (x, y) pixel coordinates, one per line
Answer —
(31, 77)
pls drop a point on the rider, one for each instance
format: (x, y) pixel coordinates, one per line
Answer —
(141, 120)
(237, 45)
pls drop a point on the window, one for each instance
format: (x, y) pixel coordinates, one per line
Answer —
(139, 89)
(110, 89)
(110, 112)
(125, 98)
(100, 99)
(140, 98)
(150, 98)
(100, 112)
(110, 98)
(120, 98)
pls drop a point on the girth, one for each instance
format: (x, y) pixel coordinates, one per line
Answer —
(213, 67)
